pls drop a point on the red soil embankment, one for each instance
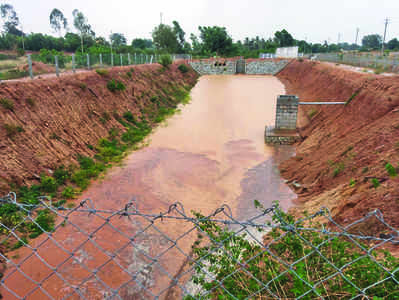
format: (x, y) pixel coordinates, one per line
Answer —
(345, 144)
(60, 117)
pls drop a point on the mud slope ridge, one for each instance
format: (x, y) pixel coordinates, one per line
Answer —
(46, 123)
(345, 147)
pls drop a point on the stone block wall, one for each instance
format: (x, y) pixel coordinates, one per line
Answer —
(209, 67)
(263, 66)
(286, 112)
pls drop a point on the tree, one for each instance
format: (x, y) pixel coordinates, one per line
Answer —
(372, 41)
(215, 40)
(283, 38)
(58, 21)
(393, 44)
(117, 39)
(165, 39)
(142, 43)
(180, 36)
(81, 25)
(10, 19)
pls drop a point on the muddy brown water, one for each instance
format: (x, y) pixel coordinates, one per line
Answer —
(210, 153)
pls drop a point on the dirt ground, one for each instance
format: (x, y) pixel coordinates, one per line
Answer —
(59, 117)
(345, 146)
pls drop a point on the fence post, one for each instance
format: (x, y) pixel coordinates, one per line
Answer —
(30, 66)
(120, 55)
(88, 61)
(101, 60)
(112, 59)
(73, 63)
(57, 70)
(151, 59)
(128, 59)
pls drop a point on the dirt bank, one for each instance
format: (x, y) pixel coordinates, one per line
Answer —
(345, 147)
(47, 123)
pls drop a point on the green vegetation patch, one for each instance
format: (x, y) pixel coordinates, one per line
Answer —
(7, 103)
(313, 257)
(12, 129)
(114, 85)
(183, 68)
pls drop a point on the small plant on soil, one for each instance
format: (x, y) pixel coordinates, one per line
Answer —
(352, 182)
(312, 113)
(7, 103)
(339, 167)
(353, 96)
(30, 102)
(183, 68)
(83, 86)
(12, 129)
(391, 170)
(375, 182)
(114, 86)
(165, 60)
(129, 74)
(102, 72)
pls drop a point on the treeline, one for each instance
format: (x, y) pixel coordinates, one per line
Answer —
(212, 40)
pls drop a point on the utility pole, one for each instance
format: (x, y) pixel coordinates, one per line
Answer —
(339, 38)
(385, 34)
(161, 17)
(357, 35)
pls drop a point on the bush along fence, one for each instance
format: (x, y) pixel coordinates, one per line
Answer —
(86, 252)
(59, 62)
(379, 63)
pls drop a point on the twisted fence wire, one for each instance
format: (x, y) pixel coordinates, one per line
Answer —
(157, 260)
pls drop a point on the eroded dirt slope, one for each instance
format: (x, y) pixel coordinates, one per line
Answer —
(50, 121)
(345, 146)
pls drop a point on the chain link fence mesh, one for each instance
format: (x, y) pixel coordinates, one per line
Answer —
(55, 252)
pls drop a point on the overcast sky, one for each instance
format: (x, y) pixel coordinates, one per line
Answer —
(315, 20)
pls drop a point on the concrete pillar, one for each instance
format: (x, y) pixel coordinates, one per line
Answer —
(57, 69)
(73, 63)
(286, 112)
(30, 66)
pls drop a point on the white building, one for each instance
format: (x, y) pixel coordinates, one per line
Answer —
(287, 52)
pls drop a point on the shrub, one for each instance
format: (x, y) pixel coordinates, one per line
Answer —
(128, 116)
(68, 192)
(83, 85)
(114, 85)
(12, 129)
(312, 257)
(48, 184)
(102, 72)
(183, 68)
(375, 182)
(7, 103)
(391, 170)
(61, 175)
(165, 60)
(129, 74)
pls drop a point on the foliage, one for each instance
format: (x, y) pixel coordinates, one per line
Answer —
(58, 20)
(375, 182)
(12, 129)
(165, 60)
(245, 268)
(339, 167)
(391, 170)
(102, 72)
(165, 38)
(183, 68)
(139, 43)
(48, 57)
(372, 41)
(7, 103)
(353, 96)
(215, 40)
(283, 38)
(118, 39)
(114, 85)
(312, 113)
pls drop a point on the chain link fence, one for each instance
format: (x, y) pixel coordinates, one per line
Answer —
(84, 252)
(47, 63)
(386, 64)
